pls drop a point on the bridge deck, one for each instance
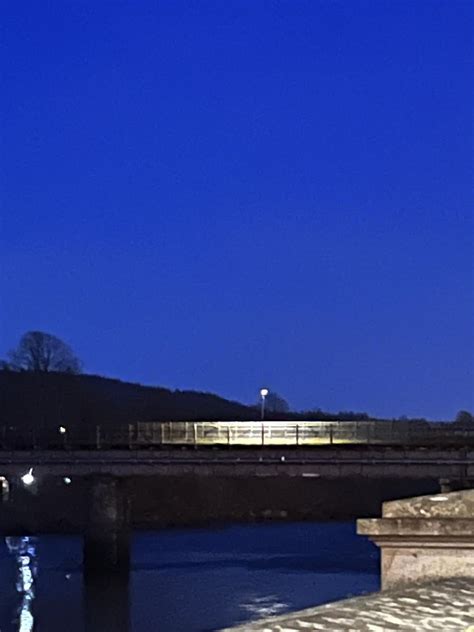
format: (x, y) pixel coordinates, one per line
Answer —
(330, 461)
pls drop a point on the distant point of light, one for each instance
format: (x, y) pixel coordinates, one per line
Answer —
(264, 392)
(67, 480)
(62, 430)
(28, 478)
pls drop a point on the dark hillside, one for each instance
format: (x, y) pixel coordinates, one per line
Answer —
(48, 400)
(51, 399)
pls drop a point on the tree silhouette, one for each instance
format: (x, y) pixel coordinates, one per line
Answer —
(274, 403)
(40, 352)
(464, 417)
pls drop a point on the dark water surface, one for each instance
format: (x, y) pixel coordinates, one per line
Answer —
(193, 580)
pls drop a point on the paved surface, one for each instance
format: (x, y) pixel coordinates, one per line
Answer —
(446, 605)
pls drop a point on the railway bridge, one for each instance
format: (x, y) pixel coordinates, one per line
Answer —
(102, 485)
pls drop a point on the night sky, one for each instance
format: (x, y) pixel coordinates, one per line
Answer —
(229, 194)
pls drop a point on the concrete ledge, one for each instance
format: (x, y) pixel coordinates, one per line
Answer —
(416, 527)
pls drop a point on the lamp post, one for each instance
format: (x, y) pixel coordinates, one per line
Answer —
(263, 394)
(63, 432)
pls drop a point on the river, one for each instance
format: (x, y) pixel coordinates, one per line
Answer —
(186, 580)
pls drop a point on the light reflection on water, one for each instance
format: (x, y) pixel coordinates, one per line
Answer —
(24, 550)
(260, 607)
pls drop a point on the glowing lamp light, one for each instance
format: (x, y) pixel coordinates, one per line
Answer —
(67, 480)
(28, 478)
(62, 430)
(263, 394)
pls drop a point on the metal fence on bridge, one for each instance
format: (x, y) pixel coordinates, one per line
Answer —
(238, 433)
(306, 433)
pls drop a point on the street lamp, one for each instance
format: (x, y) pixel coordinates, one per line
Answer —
(263, 394)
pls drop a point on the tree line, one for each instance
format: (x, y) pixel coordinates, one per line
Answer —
(40, 353)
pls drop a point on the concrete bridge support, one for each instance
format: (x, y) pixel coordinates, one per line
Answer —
(107, 534)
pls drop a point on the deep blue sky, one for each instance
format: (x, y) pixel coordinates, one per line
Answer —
(221, 195)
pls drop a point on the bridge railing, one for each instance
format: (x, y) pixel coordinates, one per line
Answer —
(291, 433)
(235, 433)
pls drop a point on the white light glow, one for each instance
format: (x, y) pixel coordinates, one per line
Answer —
(26, 575)
(62, 430)
(264, 392)
(28, 478)
(26, 618)
(24, 550)
(67, 480)
(264, 606)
